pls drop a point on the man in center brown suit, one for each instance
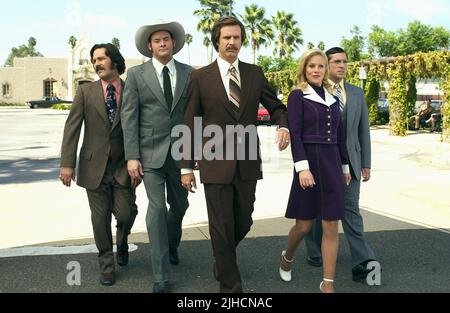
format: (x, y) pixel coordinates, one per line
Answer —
(227, 93)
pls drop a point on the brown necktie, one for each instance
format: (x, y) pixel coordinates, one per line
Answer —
(235, 89)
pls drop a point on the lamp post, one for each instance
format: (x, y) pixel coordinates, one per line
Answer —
(362, 76)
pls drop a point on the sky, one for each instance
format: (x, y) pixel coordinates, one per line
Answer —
(52, 22)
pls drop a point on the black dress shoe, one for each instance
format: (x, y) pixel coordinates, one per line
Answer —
(161, 287)
(122, 258)
(107, 279)
(314, 261)
(173, 256)
(360, 271)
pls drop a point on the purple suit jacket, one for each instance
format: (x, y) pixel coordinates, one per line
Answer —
(314, 120)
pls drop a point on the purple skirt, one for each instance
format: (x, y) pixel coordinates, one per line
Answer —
(326, 199)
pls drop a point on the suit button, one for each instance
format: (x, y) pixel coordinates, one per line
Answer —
(329, 131)
(329, 116)
(328, 124)
(329, 139)
(328, 110)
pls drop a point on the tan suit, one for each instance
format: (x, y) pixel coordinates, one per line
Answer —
(229, 184)
(102, 169)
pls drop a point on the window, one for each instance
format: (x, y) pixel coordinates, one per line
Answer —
(6, 90)
(50, 87)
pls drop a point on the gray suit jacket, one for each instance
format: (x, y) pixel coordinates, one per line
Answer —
(145, 116)
(356, 121)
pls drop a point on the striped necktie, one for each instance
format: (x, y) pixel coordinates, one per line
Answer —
(235, 89)
(338, 94)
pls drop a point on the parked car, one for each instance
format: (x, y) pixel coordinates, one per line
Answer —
(46, 102)
(383, 105)
(263, 116)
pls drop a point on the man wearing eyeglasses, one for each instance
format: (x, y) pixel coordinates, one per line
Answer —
(354, 115)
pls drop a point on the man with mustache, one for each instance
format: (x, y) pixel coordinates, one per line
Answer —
(102, 168)
(227, 93)
(154, 102)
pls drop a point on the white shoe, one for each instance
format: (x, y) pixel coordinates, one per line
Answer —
(285, 275)
(324, 280)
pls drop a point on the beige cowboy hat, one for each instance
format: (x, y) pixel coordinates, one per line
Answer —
(143, 34)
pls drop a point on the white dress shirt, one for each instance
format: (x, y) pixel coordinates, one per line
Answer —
(172, 73)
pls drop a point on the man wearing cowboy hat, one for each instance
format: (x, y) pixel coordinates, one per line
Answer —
(153, 103)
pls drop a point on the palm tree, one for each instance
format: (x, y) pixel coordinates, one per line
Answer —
(116, 42)
(310, 45)
(72, 41)
(260, 31)
(321, 45)
(207, 44)
(210, 12)
(188, 39)
(289, 35)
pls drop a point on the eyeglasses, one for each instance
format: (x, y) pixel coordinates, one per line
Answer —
(339, 62)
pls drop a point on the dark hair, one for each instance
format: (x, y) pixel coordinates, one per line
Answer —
(225, 21)
(334, 50)
(113, 53)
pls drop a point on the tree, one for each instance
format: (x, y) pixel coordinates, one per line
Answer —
(321, 45)
(207, 44)
(210, 12)
(382, 43)
(23, 51)
(310, 45)
(188, 39)
(354, 46)
(273, 64)
(116, 42)
(417, 37)
(289, 35)
(259, 27)
(72, 41)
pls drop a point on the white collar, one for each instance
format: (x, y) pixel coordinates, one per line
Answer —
(311, 94)
(159, 66)
(224, 66)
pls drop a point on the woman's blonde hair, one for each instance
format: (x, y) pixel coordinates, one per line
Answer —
(302, 83)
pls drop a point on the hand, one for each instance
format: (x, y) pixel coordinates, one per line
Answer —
(135, 171)
(135, 183)
(365, 173)
(306, 179)
(188, 181)
(66, 175)
(347, 178)
(283, 139)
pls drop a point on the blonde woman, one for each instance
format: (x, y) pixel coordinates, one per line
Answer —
(321, 164)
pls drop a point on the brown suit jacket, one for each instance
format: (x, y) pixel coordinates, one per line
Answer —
(207, 98)
(100, 141)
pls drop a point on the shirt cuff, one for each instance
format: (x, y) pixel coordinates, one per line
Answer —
(301, 166)
(345, 169)
(284, 129)
(186, 171)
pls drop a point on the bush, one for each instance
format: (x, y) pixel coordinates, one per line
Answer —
(4, 104)
(61, 106)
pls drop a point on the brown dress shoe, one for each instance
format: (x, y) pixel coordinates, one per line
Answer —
(107, 279)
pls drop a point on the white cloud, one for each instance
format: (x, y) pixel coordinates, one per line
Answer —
(423, 11)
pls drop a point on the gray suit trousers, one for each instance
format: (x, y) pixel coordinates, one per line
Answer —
(353, 228)
(164, 225)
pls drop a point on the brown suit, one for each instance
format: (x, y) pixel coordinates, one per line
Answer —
(102, 169)
(229, 184)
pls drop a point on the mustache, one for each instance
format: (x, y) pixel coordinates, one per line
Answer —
(98, 68)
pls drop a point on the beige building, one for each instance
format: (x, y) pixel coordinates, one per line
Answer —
(33, 78)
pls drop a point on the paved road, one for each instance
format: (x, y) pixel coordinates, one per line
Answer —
(405, 206)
